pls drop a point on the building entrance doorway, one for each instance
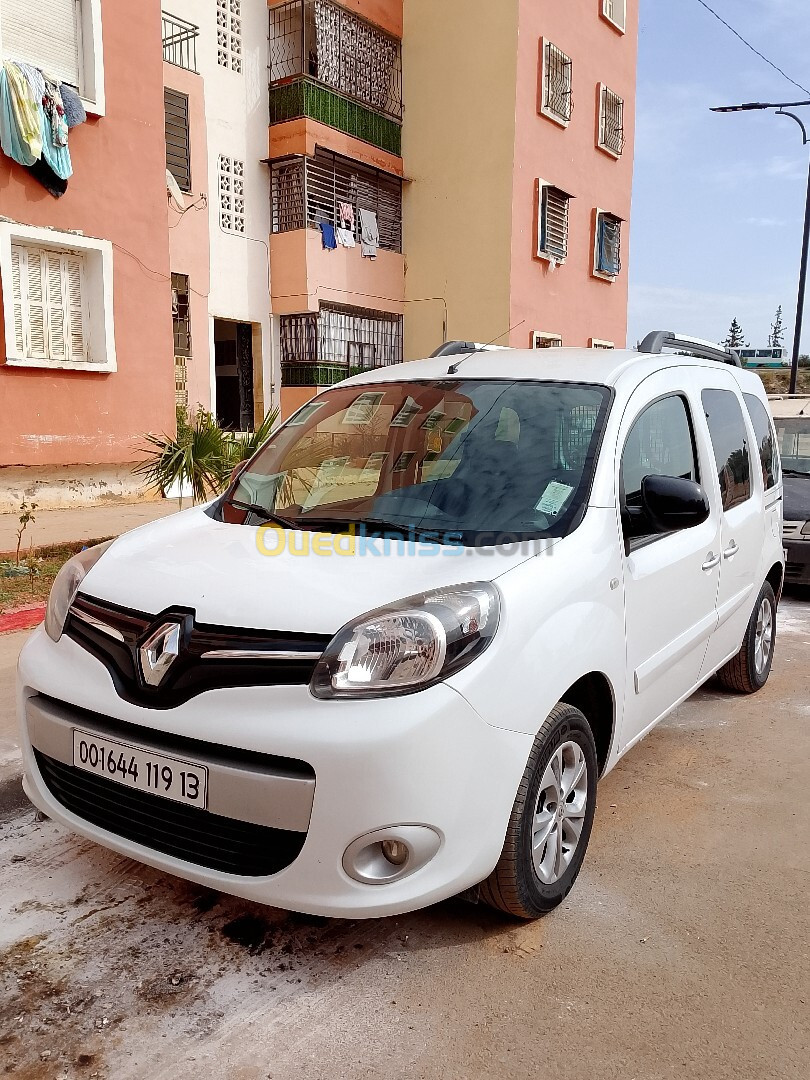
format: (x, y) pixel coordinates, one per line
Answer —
(233, 371)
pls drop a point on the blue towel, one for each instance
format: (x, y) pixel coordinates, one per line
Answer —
(74, 110)
(328, 236)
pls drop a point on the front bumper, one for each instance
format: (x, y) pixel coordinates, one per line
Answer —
(425, 759)
(797, 569)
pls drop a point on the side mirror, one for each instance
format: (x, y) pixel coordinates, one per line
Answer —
(672, 503)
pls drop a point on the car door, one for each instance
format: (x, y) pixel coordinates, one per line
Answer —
(740, 489)
(670, 580)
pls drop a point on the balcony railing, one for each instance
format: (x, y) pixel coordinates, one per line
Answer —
(305, 97)
(308, 191)
(321, 348)
(338, 50)
(179, 41)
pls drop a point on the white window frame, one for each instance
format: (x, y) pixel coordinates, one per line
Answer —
(543, 108)
(91, 56)
(615, 13)
(595, 271)
(600, 343)
(600, 122)
(541, 253)
(555, 340)
(98, 295)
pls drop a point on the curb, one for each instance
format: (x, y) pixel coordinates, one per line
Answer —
(22, 619)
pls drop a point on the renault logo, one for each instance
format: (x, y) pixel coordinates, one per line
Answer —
(159, 652)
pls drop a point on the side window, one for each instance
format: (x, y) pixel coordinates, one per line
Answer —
(766, 440)
(660, 443)
(730, 442)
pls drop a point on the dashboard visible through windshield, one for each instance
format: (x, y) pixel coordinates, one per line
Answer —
(478, 461)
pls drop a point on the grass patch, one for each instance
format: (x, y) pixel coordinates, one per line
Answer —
(16, 592)
(777, 381)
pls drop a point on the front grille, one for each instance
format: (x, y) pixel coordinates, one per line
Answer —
(192, 672)
(185, 832)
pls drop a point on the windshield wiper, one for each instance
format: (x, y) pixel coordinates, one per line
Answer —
(795, 472)
(263, 512)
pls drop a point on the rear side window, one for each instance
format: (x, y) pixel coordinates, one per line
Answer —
(766, 440)
(730, 443)
(660, 443)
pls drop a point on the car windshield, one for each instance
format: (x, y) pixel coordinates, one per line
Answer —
(475, 462)
(793, 436)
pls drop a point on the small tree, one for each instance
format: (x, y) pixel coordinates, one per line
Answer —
(735, 339)
(777, 338)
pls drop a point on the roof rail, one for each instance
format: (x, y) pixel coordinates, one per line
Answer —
(659, 340)
(459, 348)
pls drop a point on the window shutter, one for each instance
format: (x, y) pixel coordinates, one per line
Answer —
(36, 345)
(49, 310)
(44, 33)
(56, 307)
(178, 159)
(18, 300)
(76, 340)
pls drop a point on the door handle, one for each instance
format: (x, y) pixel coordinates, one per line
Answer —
(712, 560)
(731, 550)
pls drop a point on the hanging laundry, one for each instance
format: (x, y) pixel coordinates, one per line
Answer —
(328, 236)
(36, 80)
(25, 141)
(74, 110)
(44, 174)
(345, 237)
(369, 233)
(58, 157)
(55, 110)
(346, 216)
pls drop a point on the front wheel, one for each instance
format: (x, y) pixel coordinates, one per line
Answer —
(551, 819)
(748, 671)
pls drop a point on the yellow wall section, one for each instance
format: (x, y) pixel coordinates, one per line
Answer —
(459, 137)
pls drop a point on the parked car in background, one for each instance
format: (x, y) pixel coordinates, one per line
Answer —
(792, 419)
(390, 663)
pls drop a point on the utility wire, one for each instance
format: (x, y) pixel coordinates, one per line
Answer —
(754, 50)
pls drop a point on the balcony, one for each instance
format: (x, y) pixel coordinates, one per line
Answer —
(321, 348)
(179, 41)
(329, 65)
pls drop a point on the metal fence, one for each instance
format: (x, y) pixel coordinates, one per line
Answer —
(324, 41)
(179, 41)
(318, 349)
(308, 191)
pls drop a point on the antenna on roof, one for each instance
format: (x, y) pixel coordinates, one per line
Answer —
(454, 367)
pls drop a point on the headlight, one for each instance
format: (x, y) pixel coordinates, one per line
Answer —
(66, 585)
(806, 529)
(409, 645)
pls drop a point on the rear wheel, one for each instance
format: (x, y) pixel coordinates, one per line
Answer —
(748, 671)
(551, 819)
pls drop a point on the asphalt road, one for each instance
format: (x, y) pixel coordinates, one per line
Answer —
(683, 951)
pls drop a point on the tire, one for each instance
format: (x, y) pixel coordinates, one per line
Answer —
(516, 885)
(748, 671)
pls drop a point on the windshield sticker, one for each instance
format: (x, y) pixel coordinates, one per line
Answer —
(554, 498)
(403, 461)
(408, 411)
(304, 414)
(363, 409)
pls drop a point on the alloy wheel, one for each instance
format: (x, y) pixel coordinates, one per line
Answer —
(560, 812)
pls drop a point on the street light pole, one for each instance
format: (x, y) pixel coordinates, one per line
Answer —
(781, 109)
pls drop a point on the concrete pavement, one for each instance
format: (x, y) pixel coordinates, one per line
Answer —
(84, 523)
(681, 952)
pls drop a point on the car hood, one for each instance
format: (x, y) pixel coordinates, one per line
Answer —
(796, 498)
(188, 560)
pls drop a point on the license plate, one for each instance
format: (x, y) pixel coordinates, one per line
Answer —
(133, 767)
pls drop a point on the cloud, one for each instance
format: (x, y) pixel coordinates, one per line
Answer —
(778, 167)
(706, 314)
(767, 223)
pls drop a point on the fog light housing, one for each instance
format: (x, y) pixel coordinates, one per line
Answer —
(390, 854)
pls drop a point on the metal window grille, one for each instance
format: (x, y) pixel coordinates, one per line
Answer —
(308, 191)
(229, 34)
(339, 49)
(181, 320)
(608, 245)
(557, 84)
(611, 122)
(319, 349)
(553, 220)
(231, 194)
(178, 156)
(179, 41)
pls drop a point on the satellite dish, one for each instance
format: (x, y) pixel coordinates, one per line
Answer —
(175, 194)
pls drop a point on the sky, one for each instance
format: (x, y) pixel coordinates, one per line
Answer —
(718, 200)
